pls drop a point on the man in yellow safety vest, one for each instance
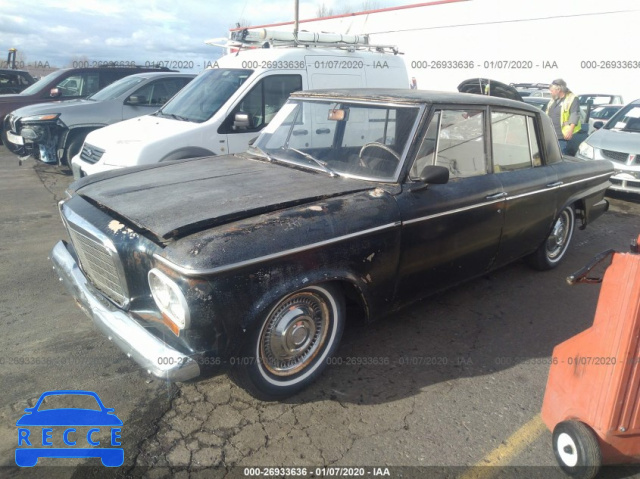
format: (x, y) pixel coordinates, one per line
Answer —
(564, 110)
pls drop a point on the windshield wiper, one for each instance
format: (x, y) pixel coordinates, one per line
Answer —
(323, 164)
(170, 115)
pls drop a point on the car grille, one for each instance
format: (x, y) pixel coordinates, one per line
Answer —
(615, 155)
(91, 154)
(100, 265)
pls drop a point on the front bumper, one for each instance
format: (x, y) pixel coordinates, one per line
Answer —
(146, 349)
(81, 168)
(628, 182)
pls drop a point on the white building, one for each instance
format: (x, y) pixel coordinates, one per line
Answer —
(591, 45)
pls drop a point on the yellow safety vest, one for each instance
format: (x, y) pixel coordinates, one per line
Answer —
(564, 112)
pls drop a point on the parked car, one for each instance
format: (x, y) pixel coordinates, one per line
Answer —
(533, 89)
(65, 84)
(370, 197)
(255, 80)
(54, 132)
(602, 114)
(14, 81)
(619, 142)
(537, 101)
(591, 100)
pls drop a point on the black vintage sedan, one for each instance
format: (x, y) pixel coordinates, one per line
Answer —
(370, 197)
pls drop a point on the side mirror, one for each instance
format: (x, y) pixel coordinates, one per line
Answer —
(241, 121)
(55, 92)
(598, 124)
(433, 174)
(135, 100)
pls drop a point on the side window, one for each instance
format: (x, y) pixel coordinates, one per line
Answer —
(515, 145)
(263, 101)
(81, 84)
(457, 138)
(159, 92)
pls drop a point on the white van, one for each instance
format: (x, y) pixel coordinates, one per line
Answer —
(201, 119)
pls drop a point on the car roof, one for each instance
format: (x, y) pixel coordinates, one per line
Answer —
(160, 74)
(416, 97)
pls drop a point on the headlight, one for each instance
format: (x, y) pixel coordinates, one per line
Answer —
(169, 298)
(586, 150)
(47, 117)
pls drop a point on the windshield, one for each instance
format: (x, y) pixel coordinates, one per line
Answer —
(604, 112)
(201, 98)
(339, 138)
(37, 86)
(627, 119)
(116, 89)
(595, 99)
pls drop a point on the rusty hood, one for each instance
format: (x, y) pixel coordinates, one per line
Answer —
(173, 200)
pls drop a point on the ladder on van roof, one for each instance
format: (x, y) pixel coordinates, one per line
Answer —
(264, 38)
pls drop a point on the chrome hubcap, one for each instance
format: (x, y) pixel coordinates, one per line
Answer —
(558, 237)
(294, 333)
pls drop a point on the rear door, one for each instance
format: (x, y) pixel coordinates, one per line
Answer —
(530, 185)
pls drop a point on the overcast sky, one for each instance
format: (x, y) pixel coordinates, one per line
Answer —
(62, 31)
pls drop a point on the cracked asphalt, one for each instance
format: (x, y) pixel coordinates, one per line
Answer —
(429, 392)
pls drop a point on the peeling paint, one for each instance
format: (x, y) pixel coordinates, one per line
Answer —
(367, 278)
(115, 226)
(315, 208)
(377, 193)
(370, 257)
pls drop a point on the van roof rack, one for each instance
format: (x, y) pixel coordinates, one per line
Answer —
(264, 38)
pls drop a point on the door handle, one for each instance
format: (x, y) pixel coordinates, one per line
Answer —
(300, 132)
(553, 185)
(496, 196)
(323, 131)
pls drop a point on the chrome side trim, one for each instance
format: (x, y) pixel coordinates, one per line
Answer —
(450, 212)
(510, 198)
(241, 264)
(150, 352)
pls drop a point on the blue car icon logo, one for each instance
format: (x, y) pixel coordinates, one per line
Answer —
(70, 432)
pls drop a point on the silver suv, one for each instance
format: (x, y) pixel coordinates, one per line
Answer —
(54, 132)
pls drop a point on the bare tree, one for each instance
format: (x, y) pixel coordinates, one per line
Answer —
(323, 11)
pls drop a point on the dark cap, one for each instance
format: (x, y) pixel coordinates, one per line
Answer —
(559, 82)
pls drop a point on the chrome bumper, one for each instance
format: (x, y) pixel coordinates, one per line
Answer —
(145, 348)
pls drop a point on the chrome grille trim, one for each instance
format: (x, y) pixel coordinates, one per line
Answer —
(615, 155)
(91, 154)
(98, 257)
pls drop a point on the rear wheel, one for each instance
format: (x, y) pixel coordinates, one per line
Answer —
(290, 348)
(576, 449)
(553, 248)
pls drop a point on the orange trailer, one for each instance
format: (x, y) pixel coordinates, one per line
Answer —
(592, 400)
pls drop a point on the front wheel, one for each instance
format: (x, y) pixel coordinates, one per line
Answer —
(290, 348)
(553, 248)
(576, 449)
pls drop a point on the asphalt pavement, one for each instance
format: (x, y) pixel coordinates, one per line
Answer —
(451, 387)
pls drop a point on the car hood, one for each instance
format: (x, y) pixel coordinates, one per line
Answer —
(486, 86)
(172, 200)
(622, 141)
(138, 131)
(52, 107)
